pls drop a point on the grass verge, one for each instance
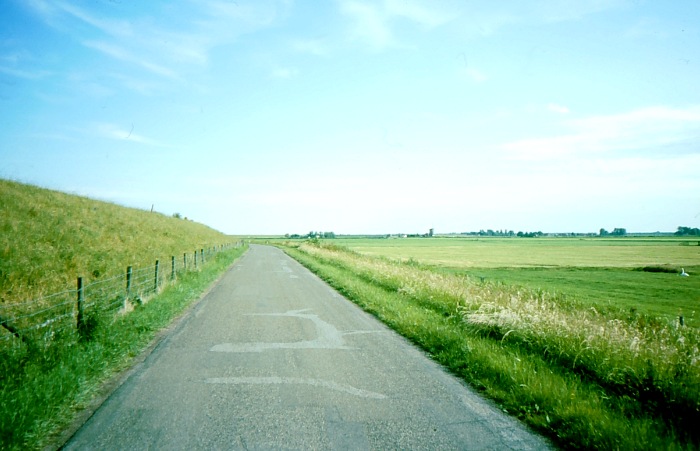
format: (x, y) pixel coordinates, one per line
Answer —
(42, 389)
(578, 399)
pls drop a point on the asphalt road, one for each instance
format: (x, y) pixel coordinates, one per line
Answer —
(273, 358)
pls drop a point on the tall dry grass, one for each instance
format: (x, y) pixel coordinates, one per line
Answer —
(645, 365)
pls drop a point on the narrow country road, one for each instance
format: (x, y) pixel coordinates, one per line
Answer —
(273, 358)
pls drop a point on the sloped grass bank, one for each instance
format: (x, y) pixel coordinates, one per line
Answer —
(49, 238)
(41, 389)
(587, 380)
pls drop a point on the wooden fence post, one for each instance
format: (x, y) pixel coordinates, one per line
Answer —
(128, 285)
(172, 268)
(195, 260)
(184, 261)
(155, 283)
(202, 255)
(14, 331)
(81, 298)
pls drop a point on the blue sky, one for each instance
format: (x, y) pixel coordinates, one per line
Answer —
(354, 116)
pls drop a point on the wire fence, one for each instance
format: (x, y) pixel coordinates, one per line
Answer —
(65, 313)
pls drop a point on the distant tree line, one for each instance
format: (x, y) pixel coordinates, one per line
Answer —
(529, 234)
(330, 235)
(311, 235)
(507, 233)
(687, 231)
(616, 232)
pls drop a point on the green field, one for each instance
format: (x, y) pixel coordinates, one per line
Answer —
(601, 271)
(589, 374)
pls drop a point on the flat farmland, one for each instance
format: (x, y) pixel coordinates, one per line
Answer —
(535, 252)
(604, 272)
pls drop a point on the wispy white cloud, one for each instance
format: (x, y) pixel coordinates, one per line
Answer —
(477, 19)
(311, 46)
(161, 47)
(284, 72)
(248, 14)
(566, 10)
(424, 13)
(52, 137)
(15, 56)
(112, 50)
(137, 84)
(473, 74)
(154, 42)
(646, 28)
(373, 22)
(184, 47)
(535, 149)
(29, 74)
(122, 54)
(369, 24)
(63, 15)
(556, 108)
(117, 132)
(116, 28)
(659, 118)
(117, 39)
(44, 9)
(647, 130)
(20, 63)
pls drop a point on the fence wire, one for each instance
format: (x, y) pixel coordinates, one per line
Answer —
(44, 318)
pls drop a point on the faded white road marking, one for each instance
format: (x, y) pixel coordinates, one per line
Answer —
(328, 336)
(298, 381)
(362, 332)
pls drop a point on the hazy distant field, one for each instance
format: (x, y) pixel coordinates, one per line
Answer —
(535, 252)
(603, 271)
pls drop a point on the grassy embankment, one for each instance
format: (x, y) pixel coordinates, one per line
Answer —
(47, 240)
(588, 378)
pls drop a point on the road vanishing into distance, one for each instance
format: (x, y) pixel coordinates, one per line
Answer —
(273, 358)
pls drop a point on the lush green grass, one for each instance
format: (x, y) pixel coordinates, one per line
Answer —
(600, 271)
(660, 294)
(41, 389)
(589, 379)
(47, 240)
